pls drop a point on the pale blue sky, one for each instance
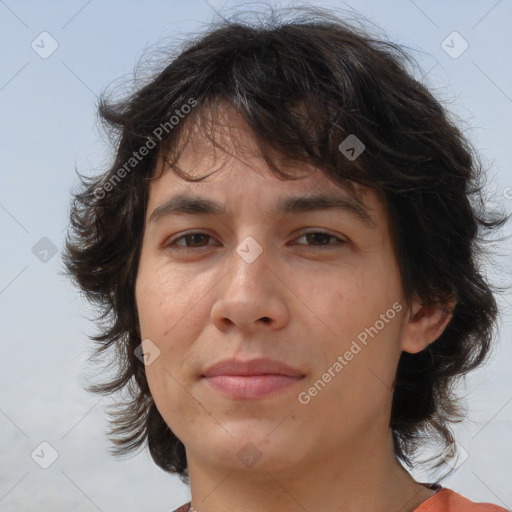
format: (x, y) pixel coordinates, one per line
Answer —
(47, 128)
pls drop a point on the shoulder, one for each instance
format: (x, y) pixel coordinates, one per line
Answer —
(446, 500)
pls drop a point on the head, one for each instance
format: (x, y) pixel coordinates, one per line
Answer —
(279, 124)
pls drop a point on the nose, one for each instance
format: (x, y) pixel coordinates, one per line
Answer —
(252, 296)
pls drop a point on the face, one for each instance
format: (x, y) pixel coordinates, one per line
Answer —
(317, 289)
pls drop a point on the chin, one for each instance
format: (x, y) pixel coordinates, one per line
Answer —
(251, 450)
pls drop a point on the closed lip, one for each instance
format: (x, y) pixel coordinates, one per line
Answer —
(259, 366)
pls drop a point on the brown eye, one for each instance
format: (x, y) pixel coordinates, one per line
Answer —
(192, 240)
(320, 239)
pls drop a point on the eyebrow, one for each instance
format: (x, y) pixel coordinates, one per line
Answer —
(180, 204)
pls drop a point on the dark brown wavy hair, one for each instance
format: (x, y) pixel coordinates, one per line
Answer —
(303, 80)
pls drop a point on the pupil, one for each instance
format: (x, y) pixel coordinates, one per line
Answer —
(316, 235)
(195, 237)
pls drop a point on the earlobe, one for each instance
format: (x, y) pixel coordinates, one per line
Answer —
(426, 324)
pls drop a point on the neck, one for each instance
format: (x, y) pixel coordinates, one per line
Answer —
(363, 476)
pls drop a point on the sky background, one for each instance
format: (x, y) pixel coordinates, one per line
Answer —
(48, 128)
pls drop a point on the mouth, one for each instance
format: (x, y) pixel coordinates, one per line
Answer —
(252, 379)
(251, 386)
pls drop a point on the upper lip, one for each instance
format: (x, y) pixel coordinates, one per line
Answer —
(259, 366)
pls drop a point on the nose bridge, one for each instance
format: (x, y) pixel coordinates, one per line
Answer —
(250, 250)
(249, 265)
(249, 296)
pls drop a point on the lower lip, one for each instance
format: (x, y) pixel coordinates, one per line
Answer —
(251, 386)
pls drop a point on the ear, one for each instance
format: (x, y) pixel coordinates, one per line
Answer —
(425, 325)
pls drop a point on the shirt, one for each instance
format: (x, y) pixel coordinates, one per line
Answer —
(444, 500)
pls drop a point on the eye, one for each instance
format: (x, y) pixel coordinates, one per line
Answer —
(321, 239)
(192, 240)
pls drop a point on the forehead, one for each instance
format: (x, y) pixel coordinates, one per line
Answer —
(222, 160)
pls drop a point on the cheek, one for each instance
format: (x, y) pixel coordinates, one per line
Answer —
(155, 300)
(172, 311)
(344, 302)
(160, 298)
(360, 310)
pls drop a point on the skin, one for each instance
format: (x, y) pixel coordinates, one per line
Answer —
(208, 304)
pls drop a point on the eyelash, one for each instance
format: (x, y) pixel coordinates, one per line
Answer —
(172, 245)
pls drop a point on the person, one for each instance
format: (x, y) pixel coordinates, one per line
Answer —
(285, 256)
